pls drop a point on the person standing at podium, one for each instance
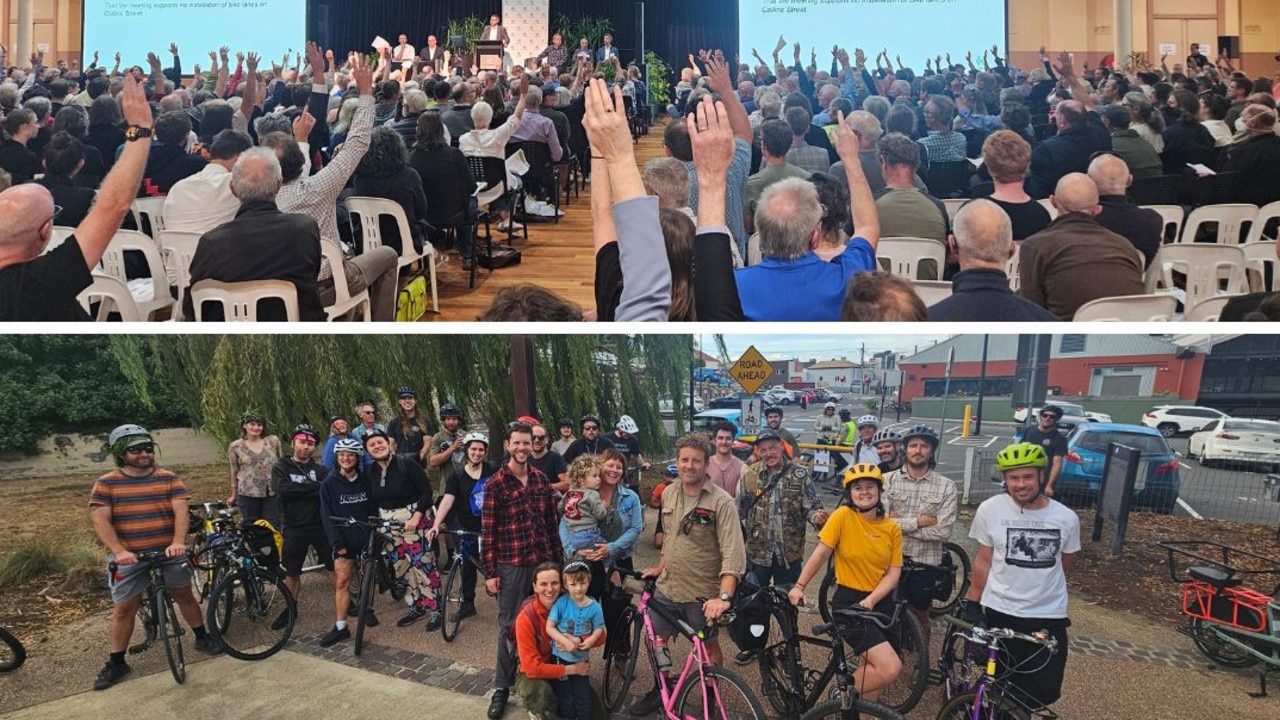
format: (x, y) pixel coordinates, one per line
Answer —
(495, 31)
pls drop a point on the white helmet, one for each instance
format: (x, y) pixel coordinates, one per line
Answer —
(829, 406)
(475, 437)
(871, 420)
(627, 425)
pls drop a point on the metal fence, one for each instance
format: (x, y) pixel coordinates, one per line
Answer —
(1222, 492)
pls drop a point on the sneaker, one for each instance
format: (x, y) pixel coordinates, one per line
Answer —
(744, 657)
(335, 636)
(281, 620)
(434, 620)
(208, 645)
(646, 705)
(498, 704)
(110, 674)
(465, 610)
(504, 224)
(411, 617)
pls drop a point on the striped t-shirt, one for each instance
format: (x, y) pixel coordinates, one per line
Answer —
(141, 507)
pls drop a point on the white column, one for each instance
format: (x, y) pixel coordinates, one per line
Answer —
(1122, 29)
(22, 47)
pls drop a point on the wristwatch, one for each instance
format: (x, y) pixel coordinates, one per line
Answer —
(726, 597)
(136, 132)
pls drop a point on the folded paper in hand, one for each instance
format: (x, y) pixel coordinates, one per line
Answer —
(1201, 170)
(379, 43)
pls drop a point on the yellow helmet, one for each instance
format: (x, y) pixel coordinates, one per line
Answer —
(863, 471)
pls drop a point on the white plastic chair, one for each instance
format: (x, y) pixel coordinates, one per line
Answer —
(953, 206)
(1228, 216)
(931, 292)
(1048, 205)
(176, 249)
(151, 208)
(1258, 256)
(150, 293)
(1207, 310)
(369, 209)
(1266, 213)
(112, 295)
(1011, 269)
(343, 301)
(57, 237)
(904, 254)
(1128, 308)
(1172, 215)
(1205, 266)
(240, 299)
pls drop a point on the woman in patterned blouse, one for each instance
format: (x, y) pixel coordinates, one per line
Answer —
(251, 458)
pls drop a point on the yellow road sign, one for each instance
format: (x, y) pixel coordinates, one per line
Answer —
(751, 371)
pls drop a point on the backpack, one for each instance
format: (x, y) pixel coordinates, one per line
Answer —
(411, 303)
(477, 494)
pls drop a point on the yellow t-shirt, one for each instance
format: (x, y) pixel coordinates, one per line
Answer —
(864, 550)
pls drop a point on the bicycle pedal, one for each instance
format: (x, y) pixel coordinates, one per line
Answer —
(140, 647)
(935, 677)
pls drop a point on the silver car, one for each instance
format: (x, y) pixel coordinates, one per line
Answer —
(1238, 440)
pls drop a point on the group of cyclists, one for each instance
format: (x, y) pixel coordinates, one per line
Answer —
(894, 504)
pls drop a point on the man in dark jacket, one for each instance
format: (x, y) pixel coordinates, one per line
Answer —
(296, 480)
(169, 161)
(983, 242)
(1138, 154)
(1140, 226)
(262, 243)
(1080, 135)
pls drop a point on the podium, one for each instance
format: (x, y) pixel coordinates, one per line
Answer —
(489, 54)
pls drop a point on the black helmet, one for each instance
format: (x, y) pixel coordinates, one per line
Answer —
(450, 410)
(406, 392)
(564, 422)
(590, 417)
(921, 431)
(306, 429)
(1055, 409)
(845, 414)
(773, 410)
(373, 434)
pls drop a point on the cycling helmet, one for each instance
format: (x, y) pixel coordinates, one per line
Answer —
(306, 429)
(350, 445)
(335, 418)
(406, 392)
(450, 410)
(627, 425)
(1056, 410)
(922, 431)
(871, 420)
(589, 417)
(886, 435)
(528, 420)
(475, 437)
(1020, 455)
(863, 471)
(829, 406)
(377, 433)
(773, 410)
(125, 437)
(845, 414)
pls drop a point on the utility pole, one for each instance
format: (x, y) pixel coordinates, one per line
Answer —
(522, 380)
(982, 385)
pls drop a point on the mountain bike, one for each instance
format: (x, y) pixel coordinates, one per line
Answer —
(466, 550)
(791, 686)
(1234, 625)
(213, 525)
(157, 613)
(702, 690)
(968, 665)
(912, 646)
(374, 569)
(12, 654)
(250, 610)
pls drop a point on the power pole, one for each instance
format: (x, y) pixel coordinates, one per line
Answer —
(982, 385)
(522, 380)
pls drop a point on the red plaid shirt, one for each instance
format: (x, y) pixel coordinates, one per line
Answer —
(519, 524)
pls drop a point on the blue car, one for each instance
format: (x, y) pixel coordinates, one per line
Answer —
(1087, 455)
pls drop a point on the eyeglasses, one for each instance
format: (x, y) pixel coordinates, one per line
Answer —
(139, 449)
(57, 210)
(590, 427)
(366, 412)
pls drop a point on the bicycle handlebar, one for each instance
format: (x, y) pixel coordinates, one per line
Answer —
(459, 533)
(148, 556)
(374, 522)
(986, 635)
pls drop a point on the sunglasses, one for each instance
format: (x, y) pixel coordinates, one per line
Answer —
(138, 449)
(536, 438)
(697, 516)
(590, 427)
(1050, 416)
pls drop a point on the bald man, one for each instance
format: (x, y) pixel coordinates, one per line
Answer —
(1075, 259)
(1140, 226)
(1080, 135)
(983, 242)
(36, 287)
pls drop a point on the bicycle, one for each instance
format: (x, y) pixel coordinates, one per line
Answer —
(970, 682)
(1233, 625)
(845, 703)
(12, 653)
(250, 612)
(912, 646)
(157, 613)
(452, 601)
(702, 690)
(373, 569)
(956, 565)
(214, 530)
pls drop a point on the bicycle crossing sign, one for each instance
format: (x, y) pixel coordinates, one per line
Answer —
(751, 371)
(752, 415)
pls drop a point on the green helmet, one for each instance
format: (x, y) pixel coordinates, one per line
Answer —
(125, 437)
(1021, 455)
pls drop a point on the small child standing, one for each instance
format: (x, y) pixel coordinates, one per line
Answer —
(582, 508)
(575, 624)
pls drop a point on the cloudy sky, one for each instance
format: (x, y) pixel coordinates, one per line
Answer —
(820, 347)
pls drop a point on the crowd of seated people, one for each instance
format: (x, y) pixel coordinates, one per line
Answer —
(778, 184)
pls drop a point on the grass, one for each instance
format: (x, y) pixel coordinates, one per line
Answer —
(39, 558)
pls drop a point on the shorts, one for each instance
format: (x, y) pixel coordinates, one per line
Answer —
(690, 612)
(132, 579)
(296, 542)
(1040, 676)
(918, 586)
(862, 636)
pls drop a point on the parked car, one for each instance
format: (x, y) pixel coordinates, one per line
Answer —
(666, 407)
(1238, 440)
(824, 395)
(1086, 457)
(1171, 420)
(780, 396)
(703, 421)
(1069, 409)
(732, 400)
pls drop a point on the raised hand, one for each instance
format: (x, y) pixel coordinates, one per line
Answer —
(134, 106)
(173, 49)
(795, 49)
(968, 56)
(315, 58)
(847, 140)
(213, 58)
(859, 57)
(813, 56)
(711, 136)
(153, 60)
(898, 59)
(718, 77)
(937, 62)
(302, 125)
(253, 59)
(928, 64)
(1064, 66)
(117, 58)
(224, 52)
(239, 58)
(95, 56)
(195, 71)
(362, 75)
(995, 51)
(949, 63)
(328, 55)
(607, 128)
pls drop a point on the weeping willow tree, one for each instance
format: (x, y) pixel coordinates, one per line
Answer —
(296, 378)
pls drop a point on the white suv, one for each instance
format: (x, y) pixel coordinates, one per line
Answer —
(1173, 419)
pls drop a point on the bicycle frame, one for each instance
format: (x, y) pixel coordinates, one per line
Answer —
(989, 682)
(697, 658)
(463, 537)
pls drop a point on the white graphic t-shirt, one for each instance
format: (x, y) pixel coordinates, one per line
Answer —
(1026, 578)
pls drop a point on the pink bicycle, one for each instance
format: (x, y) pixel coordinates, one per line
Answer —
(702, 691)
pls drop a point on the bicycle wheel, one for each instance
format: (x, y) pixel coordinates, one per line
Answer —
(147, 619)
(451, 604)
(781, 675)
(827, 594)
(730, 697)
(626, 644)
(913, 649)
(833, 710)
(964, 664)
(1218, 648)
(964, 568)
(170, 633)
(251, 604)
(368, 578)
(994, 706)
(12, 654)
